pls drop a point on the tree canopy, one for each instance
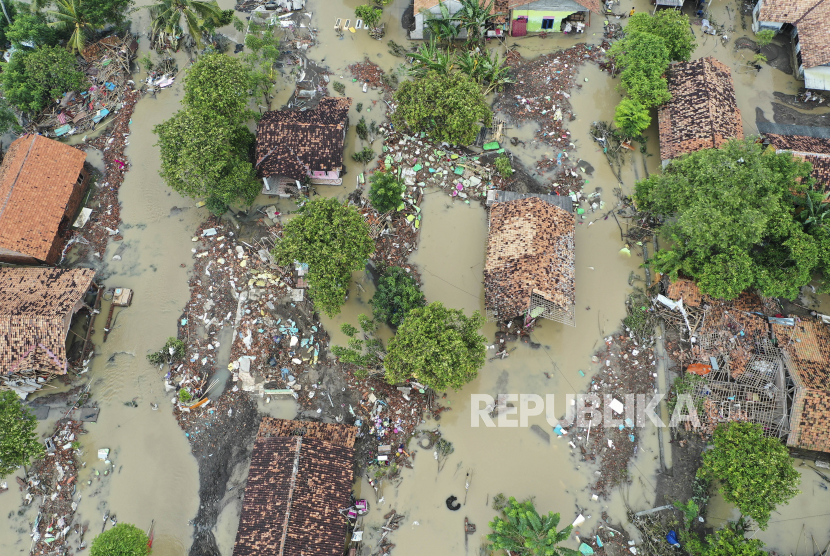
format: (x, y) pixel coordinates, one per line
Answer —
(521, 531)
(632, 117)
(205, 147)
(385, 192)
(31, 27)
(754, 472)
(333, 239)
(18, 442)
(440, 347)
(730, 541)
(670, 25)
(34, 77)
(643, 58)
(396, 295)
(730, 219)
(122, 540)
(448, 107)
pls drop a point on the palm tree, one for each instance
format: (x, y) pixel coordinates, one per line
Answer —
(69, 15)
(198, 15)
(522, 531)
(474, 16)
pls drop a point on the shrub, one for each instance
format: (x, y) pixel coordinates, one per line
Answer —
(339, 87)
(184, 395)
(173, 350)
(397, 294)
(216, 206)
(385, 192)
(632, 117)
(503, 166)
(763, 38)
(122, 540)
(365, 155)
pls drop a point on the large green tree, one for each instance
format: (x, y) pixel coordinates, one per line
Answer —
(447, 107)
(333, 239)
(196, 16)
(219, 83)
(643, 58)
(670, 25)
(396, 295)
(729, 220)
(19, 444)
(122, 540)
(521, 531)
(69, 16)
(33, 77)
(438, 346)
(31, 27)
(385, 192)
(753, 471)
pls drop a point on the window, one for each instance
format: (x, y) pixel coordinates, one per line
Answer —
(547, 23)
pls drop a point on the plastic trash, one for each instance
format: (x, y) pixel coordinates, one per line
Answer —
(672, 538)
(585, 549)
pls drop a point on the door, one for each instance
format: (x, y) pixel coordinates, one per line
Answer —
(519, 27)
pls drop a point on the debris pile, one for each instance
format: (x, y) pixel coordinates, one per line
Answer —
(106, 65)
(395, 233)
(372, 76)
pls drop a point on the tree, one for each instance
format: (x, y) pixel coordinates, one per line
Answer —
(264, 51)
(730, 220)
(474, 16)
(764, 37)
(32, 77)
(521, 531)
(9, 14)
(70, 16)
(219, 83)
(439, 347)
(632, 117)
(730, 541)
(198, 16)
(18, 442)
(396, 295)
(503, 166)
(644, 59)
(385, 192)
(333, 239)
(369, 14)
(670, 25)
(448, 107)
(367, 354)
(31, 27)
(754, 472)
(122, 540)
(105, 12)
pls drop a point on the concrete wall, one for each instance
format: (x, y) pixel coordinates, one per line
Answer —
(418, 33)
(537, 12)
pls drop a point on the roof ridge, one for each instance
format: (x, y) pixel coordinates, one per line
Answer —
(816, 5)
(19, 171)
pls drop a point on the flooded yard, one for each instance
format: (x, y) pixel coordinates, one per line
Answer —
(154, 476)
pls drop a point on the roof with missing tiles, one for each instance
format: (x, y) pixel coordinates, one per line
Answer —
(37, 179)
(34, 303)
(530, 249)
(702, 113)
(299, 480)
(810, 17)
(290, 142)
(815, 150)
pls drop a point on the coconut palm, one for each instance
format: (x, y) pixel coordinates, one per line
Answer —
(198, 15)
(474, 16)
(68, 15)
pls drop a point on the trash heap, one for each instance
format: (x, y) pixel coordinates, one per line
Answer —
(371, 76)
(106, 65)
(162, 75)
(395, 234)
(53, 480)
(421, 163)
(627, 366)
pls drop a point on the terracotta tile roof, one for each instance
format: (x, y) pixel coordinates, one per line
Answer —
(37, 179)
(592, 5)
(686, 290)
(816, 150)
(702, 112)
(530, 249)
(810, 18)
(332, 433)
(35, 304)
(297, 486)
(289, 141)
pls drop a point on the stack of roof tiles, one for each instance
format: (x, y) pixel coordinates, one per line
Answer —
(530, 250)
(300, 478)
(810, 17)
(292, 143)
(36, 305)
(815, 150)
(702, 113)
(38, 186)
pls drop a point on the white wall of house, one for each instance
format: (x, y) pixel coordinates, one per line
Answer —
(817, 78)
(758, 25)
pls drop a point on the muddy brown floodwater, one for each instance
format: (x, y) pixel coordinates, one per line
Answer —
(154, 474)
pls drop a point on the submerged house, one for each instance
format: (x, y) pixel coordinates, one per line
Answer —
(426, 9)
(42, 183)
(702, 112)
(299, 480)
(529, 270)
(805, 23)
(551, 16)
(293, 145)
(36, 310)
(807, 142)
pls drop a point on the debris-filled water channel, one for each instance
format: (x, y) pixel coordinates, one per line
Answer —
(150, 473)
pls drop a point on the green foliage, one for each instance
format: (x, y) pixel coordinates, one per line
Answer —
(670, 25)
(358, 107)
(122, 540)
(339, 87)
(18, 442)
(369, 14)
(448, 107)
(216, 206)
(31, 27)
(685, 384)
(754, 472)
(443, 27)
(483, 66)
(690, 512)
(730, 220)
(205, 147)
(33, 77)
(69, 16)
(385, 192)
(10, 12)
(440, 347)
(644, 59)
(361, 130)
(521, 531)
(262, 59)
(396, 295)
(8, 120)
(632, 117)
(101, 13)
(764, 37)
(198, 16)
(474, 16)
(333, 239)
(759, 59)
(184, 395)
(348, 329)
(503, 167)
(366, 354)
(729, 541)
(499, 502)
(173, 350)
(364, 155)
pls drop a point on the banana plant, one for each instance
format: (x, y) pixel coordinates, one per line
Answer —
(444, 27)
(474, 16)
(494, 73)
(430, 57)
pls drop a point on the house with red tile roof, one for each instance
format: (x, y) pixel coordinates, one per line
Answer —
(299, 481)
(36, 310)
(809, 143)
(42, 183)
(551, 16)
(804, 22)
